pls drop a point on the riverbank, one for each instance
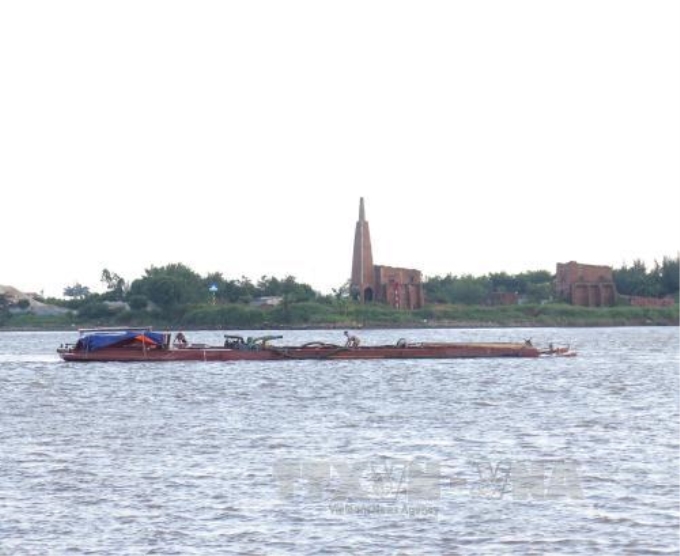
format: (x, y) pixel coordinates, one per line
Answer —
(351, 316)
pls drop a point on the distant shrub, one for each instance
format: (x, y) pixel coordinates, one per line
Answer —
(301, 313)
(225, 315)
(95, 310)
(138, 302)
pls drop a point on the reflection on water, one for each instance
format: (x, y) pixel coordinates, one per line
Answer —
(572, 456)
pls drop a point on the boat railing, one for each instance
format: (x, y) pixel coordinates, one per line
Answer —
(113, 329)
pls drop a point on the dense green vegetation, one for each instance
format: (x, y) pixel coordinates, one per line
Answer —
(176, 296)
(659, 281)
(4, 310)
(534, 286)
(537, 286)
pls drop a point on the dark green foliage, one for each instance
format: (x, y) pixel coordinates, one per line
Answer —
(343, 291)
(171, 286)
(503, 282)
(464, 289)
(73, 304)
(174, 295)
(138, 302)
(537, 286)
(76, 291)
(95, 310)
(4, 309)
(536, 277)
(534, 283)
(632, 280)
(115, 285)
(539, 292)
(166, 291)
(230, 291)
(288, 287)
(225, 316)
(183, 296)
(533, 286)
(660, 281)
(669, 275)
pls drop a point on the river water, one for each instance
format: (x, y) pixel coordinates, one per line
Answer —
(530, 456)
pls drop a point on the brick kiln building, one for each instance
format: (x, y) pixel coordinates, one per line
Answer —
(590, 285)
(400, 287)
(586, 285)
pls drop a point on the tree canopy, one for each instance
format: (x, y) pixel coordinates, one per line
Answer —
(659, 281)
(176, 293)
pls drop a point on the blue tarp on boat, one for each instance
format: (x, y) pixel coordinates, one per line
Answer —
(99, 340)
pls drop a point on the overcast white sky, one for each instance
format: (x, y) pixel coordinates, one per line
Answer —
(238, 136)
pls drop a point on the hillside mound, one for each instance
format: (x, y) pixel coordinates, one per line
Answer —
(14, 296)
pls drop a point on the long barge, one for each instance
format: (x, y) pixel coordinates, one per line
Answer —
(146, 345)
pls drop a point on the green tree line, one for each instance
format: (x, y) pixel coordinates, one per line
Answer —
(538, 286)
(175, 294)
(535, 286)
(174, 289)
(660, 280)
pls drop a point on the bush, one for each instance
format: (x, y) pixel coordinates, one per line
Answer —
(95, 310)
(306, 312)
(138, 302)
(230, 316)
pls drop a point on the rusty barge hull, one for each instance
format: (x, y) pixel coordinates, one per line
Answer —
(282, 353)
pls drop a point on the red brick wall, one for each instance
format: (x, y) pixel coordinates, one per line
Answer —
(586, 285)
(587, 294)
(399, 287)
(639, 301)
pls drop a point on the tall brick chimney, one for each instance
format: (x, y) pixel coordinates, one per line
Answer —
(363, 276)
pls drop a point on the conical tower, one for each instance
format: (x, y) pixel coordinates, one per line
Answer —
(363, 275)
